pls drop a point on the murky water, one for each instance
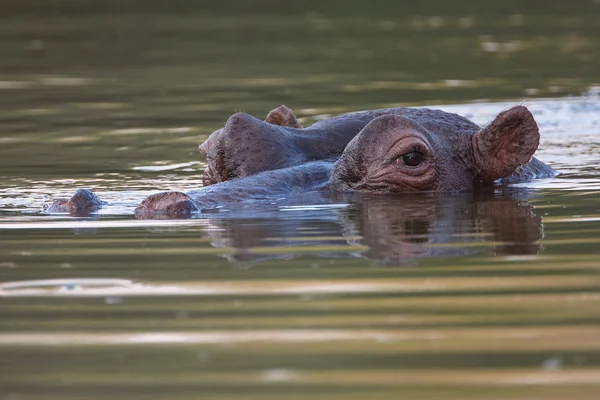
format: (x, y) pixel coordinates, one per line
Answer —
(484, 295)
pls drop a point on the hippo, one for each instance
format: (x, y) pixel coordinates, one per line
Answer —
(246, 145)
(379, 151)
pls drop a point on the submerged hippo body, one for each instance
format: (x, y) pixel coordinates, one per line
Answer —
(391, 150)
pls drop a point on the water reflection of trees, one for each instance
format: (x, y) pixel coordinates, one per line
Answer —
(390, 230)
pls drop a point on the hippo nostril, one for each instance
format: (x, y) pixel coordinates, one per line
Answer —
(141, 208)
(203, 147)
(207, 145)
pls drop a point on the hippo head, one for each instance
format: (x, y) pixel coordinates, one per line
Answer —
(396, 154)
(247, 145)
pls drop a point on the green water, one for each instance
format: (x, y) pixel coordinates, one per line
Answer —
(490, 295)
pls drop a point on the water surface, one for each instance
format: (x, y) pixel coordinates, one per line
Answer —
(485, 295)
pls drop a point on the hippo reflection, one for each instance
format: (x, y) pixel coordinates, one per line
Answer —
(391, 150)
(391, 230)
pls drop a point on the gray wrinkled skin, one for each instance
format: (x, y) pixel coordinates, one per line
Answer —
(391, 150)
(455, 156)
(247, 145)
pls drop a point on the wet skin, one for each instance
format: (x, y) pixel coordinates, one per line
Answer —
(246, 145)
(391, 150)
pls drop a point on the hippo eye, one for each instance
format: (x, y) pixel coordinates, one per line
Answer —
(412, 159)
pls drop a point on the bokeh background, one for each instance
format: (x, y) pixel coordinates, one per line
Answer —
(146, 81)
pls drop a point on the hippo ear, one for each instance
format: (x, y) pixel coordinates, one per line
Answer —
(283, 116)
(509, 141)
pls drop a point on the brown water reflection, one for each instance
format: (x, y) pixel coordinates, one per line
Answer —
(392, 230)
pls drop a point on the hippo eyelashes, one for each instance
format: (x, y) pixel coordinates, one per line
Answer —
(391, 154)
(411, 150)
(413, 158)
